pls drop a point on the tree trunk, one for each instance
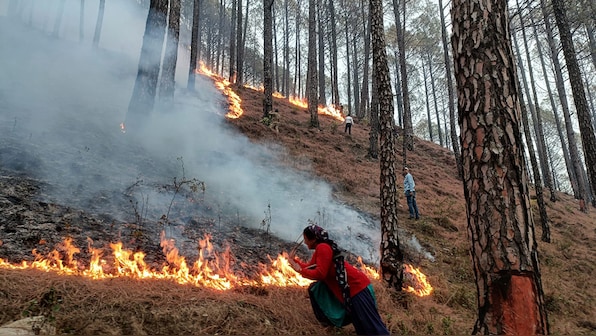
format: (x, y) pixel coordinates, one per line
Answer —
(143, 95)
(194, 45)
(564, 146)
(579, 96)
(334, 79)
(408, 131)
(451, 95)
(500, 225)
(218, 56)
(537, 115)
(312, 81)
(232, 74)
(59, 15)
(348, 64)
(99, 23)
(239, 45)
(322, 96)
(268, 57)
(435, 100)
(391, 254)
(427, 102)
(364, 94)
(560, 83)
(286, 80)
(373, 135)
(168, 72)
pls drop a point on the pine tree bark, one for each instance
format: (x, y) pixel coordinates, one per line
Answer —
(82, 20)
(391, 254)
(334, 77)
(239, 45)
(59, 15)
(500, 226)
(579, 96)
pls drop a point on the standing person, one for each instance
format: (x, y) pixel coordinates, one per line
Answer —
(410, 192)
(341, 294)
(349, 122)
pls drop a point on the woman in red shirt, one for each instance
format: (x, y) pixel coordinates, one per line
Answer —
(341, 294)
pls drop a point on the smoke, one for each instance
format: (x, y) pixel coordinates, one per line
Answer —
(61, 103)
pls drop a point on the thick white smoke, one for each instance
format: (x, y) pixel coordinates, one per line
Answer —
(61, 103)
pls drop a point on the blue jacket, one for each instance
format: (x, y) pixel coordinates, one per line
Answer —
(409, 184)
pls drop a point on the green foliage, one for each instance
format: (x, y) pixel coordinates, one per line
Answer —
(47, 306)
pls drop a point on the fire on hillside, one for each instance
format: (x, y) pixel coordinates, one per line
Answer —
(236, 110)
(210, 270)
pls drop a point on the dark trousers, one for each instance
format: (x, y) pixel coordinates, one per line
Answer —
(412, 206)
(348, 128)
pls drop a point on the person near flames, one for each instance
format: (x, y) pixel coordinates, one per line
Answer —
(410, 192)
(341, 294)
(349, 121)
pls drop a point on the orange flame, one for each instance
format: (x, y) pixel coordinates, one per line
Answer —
(224, 86)
(210, 270)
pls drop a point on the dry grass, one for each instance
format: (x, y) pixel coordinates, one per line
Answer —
(124, 306)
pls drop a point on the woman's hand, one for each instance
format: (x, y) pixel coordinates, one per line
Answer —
(295, 266)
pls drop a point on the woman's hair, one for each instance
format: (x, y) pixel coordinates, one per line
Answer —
(316, 232)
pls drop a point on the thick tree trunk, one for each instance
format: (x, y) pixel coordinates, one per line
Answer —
(579, 96)
(500, 226)
(143, 95)
(391, 255)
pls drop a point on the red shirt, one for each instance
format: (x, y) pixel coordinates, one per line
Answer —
(325, 271)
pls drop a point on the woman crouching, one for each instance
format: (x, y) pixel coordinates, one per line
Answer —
(341, 294)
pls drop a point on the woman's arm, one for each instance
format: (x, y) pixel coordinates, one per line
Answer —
(320, 264)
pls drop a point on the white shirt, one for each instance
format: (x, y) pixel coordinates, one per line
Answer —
(349, 120)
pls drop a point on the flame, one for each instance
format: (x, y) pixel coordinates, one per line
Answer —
(210, 270)
(418, 280)
(419, 284)
(224, 86)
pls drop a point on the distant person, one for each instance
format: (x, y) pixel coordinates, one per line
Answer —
(410, 192)
(342, 294)
(274, 120)
(349, 121)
